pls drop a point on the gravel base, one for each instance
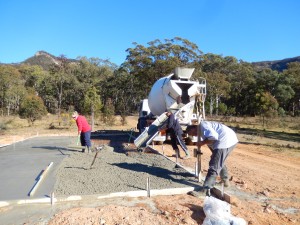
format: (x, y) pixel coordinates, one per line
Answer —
(115, 171)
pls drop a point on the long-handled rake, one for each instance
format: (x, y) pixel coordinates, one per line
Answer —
(76, 146)
(98, 149)
(128, 143)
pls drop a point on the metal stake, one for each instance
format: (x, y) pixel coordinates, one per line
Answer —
(148, 187)
(52, 198)
(222, 190)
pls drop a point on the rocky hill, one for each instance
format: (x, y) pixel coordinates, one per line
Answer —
(278, 65)
(43, 59)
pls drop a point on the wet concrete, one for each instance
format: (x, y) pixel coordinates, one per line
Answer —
(117, 168)
(22, 163)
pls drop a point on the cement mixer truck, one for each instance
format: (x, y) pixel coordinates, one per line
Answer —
(175, 92)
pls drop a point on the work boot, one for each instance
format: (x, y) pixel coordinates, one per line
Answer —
(226, 182)
(202, 192)
(196, 194)
(210, 181)
(224, 176)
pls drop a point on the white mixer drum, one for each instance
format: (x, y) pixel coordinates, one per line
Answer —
(156, 99)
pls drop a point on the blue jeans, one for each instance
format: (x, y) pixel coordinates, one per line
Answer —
(177, 139)
(85, 138)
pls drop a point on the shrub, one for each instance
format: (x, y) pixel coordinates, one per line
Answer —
(32, 108)
(3, 125)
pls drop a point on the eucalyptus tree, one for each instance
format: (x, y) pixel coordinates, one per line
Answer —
(32, 75)
(284, 91)
(11, 88)
(90, 74)
(60, 81)
(47, 91)
(14, 96)
(266, 105)
(121, 91)
(92, 103)
(278, 85)
(293, 73)
(159, 58)
(213, 68)
(241, 96)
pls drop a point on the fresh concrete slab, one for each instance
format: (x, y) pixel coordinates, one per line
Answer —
(21, 164)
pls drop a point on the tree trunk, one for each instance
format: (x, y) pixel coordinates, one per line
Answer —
(211, 106)
(59, 104)
(92, 117)
(217, 105)
(8, 109)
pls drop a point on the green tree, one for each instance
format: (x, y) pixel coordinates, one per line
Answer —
(121, 91)
(47, 92)
(90, 73)
(11, 88)
(277, 84)
(32, 75)
(293, 73)
(213, 69)
(32, 108)
(109, 112)
(266, 105)
(60, 80)
(241, 79)
(92, 103)
(149, 63)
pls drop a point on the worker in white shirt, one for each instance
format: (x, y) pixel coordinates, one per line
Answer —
(221, 140)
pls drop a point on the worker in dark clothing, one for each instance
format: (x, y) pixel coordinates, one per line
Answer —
(174, 128)
(142, 124)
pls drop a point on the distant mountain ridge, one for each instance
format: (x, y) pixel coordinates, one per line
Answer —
(278, 65)
(45, 60)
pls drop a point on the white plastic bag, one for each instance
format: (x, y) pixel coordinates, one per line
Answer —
(217, 212)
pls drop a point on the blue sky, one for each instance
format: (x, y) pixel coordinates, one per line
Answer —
(255, 30)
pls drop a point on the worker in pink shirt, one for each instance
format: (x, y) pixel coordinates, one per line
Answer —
(84, 130)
